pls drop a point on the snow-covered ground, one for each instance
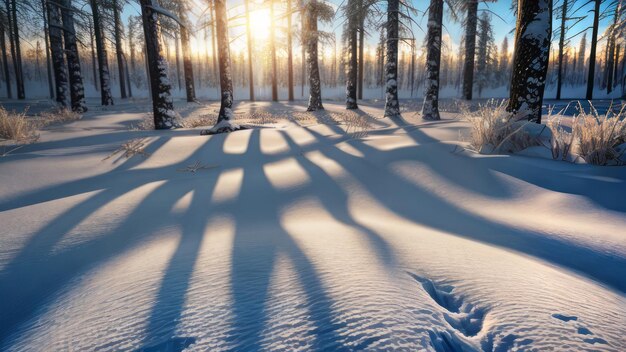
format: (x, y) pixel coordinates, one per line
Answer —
(304, 234)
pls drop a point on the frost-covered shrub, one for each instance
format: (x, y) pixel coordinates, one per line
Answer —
(495, 130)
(598, 136)
(15, 126)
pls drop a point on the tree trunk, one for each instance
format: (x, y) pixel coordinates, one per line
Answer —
(289, 54)
(530, 60)
(392, 106)
(213, 20)
(177, 57)
(303, 46)
(592, 55)
(93, 56)
(273, 53)
(361, 79)
(611, 49)
(119, 52)
(58, 59)
(190, 88)
(470, 49)
(617, 61)
(103, 64)
(249, 37)
(77, 89)
(351, 77)
(19, 71)
(160, 87)
(128, 82)
(5, 64)
(311, 39)
(561, 49)
(430, 109)
(47, 45)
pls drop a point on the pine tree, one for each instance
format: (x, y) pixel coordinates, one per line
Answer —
(430, 109)
(77, 89)
(119, 53)
(190, 88)
(530, 60)
(103, 64)
(484, 57)
(470, 47)
(314, 11)
(351, 78)
(58, 57)
(592, 55)
(249, 37)
(3, 48)
(581, 54)
(392, 105)
(16, 51)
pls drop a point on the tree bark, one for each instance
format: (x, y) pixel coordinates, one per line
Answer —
(160, 87)
(392, 105)
(361, 30)
(351, 77)
(273, 53)
(103, 64)
(289, 54)
(58, 59)
(77, 89)
(5, 64)
(470, 48)
(19, 71)
(190, 88)
(213, 20)
(561, 49)
(47, 45)
(311, 39)
(249, 37)
(530, 59)
(119, 52)
(592, 55)
(430, 109)
(611, 55)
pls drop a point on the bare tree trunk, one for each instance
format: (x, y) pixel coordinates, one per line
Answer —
(592, 55)
(177, 56)
(47, 42)
(351, 81)
(58, 59)
(611, 49)
(225, 118)
(559, 78)
(470, 48)
(128, 82)
(103, 64)
(617, 61)
(530, 60)
(289, 54)
(77, 89)
(93, 56)
(311, 39)
(119, 52)
(160, 87)
(5, 64)
(249, 37)
(19, 71)
(392, 106)
(361, 49)
(190, 88)
(273, 53)
(430, 109)
(303, 45)
(213, 21)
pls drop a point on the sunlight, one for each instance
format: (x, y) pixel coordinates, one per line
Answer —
(260, 24)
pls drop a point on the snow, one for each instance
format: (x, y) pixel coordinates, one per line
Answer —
(304, 237)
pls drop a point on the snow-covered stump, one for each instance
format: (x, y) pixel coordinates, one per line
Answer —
(77, 88)
(103, 63)
(162, 104)
(311, 38)
(58, 57)
(392, 105)
(351, 77)
(430, 110)
(225, 118)
(530, 60)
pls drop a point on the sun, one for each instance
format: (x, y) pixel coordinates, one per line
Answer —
(260, 24)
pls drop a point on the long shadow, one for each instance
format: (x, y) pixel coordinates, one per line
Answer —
(433, 211)
(49, 272)
(255, 251)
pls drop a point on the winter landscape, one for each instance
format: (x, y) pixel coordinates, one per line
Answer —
(311, 175)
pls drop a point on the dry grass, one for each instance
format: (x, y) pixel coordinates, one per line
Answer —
(57, 116)
(16, 126)
(495, 130)
(598, 135)
(197, 166)
(131, 148)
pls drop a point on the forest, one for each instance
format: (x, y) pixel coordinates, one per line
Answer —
(312, 175)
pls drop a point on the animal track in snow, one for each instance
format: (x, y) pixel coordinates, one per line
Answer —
(462, 316)
(580, 329)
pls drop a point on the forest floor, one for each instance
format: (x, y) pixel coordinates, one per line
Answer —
(310, 231)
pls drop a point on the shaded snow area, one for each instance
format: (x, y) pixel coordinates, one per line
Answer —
(331, 230)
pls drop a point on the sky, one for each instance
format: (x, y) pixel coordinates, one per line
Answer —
(503, 22)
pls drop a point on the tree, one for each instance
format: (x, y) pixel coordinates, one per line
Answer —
(103, 64)
(392, 106)
(504, 59)
(162, 104)
(225, 118)
(58, 57)
(119, 53)
(16, 51)
(351, 79)
(314, 11)
(249, 37)
(44, 15)
(530, 60)
(484, 69)
(611, 61)
(289, 53)
(273, 53)
(581, 53)
(190, 88)
(561, 48)
(3, 48)
(592, 55)
(77, 89)
(470, 47)
(430, 109)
